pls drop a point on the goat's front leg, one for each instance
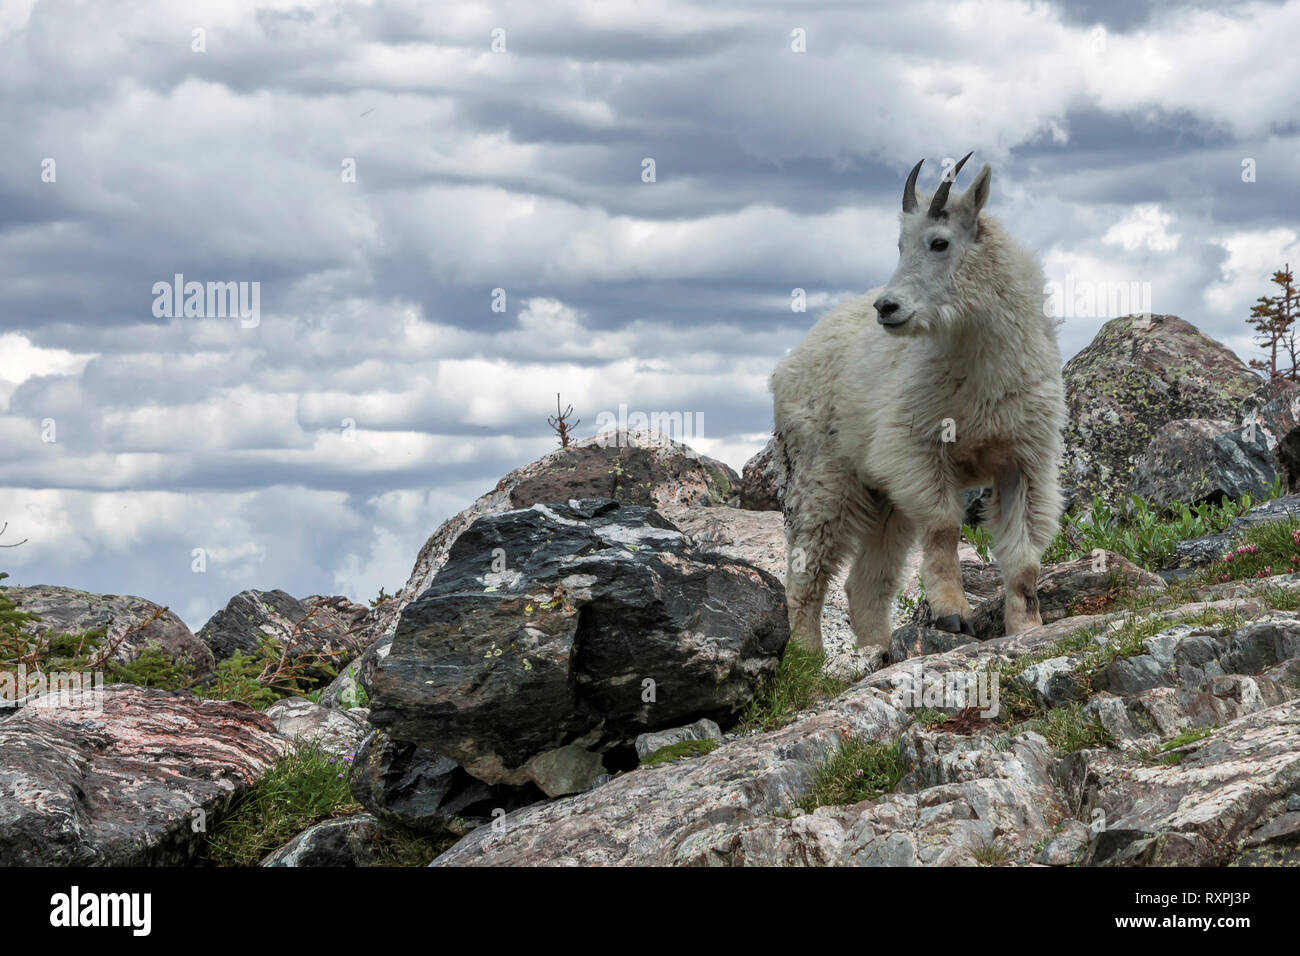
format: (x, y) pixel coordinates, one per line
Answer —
(1026, 513)
(934, 504)
(941, 572)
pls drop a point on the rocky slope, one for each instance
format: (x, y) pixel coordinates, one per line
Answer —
(983, 792)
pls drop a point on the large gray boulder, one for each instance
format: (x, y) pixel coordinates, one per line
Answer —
(630, 466)
(414, 787)
(1130, 380)
(1274, 410)
(565, 628)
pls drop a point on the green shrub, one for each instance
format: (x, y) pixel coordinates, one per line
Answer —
(1263, 550)
(306, 786)
(1142, 533)
(152, 667)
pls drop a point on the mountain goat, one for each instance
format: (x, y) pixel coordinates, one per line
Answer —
(946, 378)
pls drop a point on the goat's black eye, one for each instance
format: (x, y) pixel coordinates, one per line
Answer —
(938, 245)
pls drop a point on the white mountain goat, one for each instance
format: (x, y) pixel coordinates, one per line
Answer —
(948, 377)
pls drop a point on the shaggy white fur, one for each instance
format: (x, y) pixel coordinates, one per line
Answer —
(881, 422)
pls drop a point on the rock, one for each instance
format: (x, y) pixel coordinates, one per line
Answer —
(1261, 644)
(127, 784)
(961, 799)
(1275, 411)
(633, 467)
(1051, 682)
(342, 616)
(1197, 811)
(980, 580)
(342, 841)
(338, 731)
(702, 729)
(761, 481)
(1190, 679)
(330, 627)
(1069, 587)
(1133, 378)
(1266, 391)
(601, 622)
(1193, 461)
(133, 624)
(1066, 847)
(568, 769)
(1132, 675)
(665, 815)
(414, 787)
(911, 640)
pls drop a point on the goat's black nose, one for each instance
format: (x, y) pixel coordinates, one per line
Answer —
(886, 307)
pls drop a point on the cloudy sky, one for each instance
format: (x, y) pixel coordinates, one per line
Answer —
(380, 168)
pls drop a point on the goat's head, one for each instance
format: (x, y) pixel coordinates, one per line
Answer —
(934, 239)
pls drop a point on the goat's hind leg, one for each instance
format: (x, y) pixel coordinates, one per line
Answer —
(1027, 510)
(886, 537)
(815, 540)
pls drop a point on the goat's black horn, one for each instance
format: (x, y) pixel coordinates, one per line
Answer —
(941, 194)
(909, 191)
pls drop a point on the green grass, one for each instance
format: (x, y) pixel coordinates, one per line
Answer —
(859, 769)
(679, 751)
(1068, 729)
(929, 717)
(1279, 598)
(796, 684)
(305, 786)
(990, 854)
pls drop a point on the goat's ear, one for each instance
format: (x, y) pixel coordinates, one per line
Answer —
(973, 200)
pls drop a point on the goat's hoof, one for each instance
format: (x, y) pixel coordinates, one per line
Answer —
(954, 624)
